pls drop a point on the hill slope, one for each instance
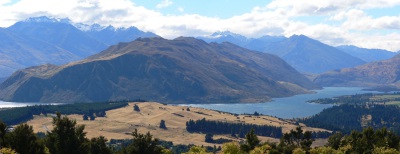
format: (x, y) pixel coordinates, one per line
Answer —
(385, 72)
(119, 123)
(172, 71)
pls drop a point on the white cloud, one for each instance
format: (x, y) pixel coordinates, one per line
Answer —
(164, 3)
(324, 7)
(3, 2)
(277, 18)
(181, 9)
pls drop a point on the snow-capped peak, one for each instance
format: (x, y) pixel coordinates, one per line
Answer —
(48, 19)
(224, 34)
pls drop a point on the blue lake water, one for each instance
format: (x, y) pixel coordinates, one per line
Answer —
(14, 104)
(288, 107)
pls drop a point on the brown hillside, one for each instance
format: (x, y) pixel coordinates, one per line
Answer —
(380, 73)
(120, 122)
(155, 69)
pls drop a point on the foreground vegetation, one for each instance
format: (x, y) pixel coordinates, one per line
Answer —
(66, 137)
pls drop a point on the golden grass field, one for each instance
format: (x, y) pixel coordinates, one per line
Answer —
(119, 123)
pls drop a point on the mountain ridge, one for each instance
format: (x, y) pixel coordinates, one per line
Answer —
(368, 55)
(171, 71)
(378, 73)
(42, 40)
(303, 53)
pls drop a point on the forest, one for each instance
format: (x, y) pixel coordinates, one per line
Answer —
(345, 118)
(240, 129)
(361, 99)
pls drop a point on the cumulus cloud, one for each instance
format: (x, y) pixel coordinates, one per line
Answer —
(164, 3)
(276, 18)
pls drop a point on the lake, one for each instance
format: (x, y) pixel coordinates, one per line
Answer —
(14, 104)
(288, 107)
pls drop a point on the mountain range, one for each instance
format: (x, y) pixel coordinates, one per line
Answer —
(373, 74)
(303, 53)
(368, 55)
(44, 40)
(183, 70)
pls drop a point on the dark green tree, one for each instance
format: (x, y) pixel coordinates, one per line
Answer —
(3, 131)
(256, 113)
(335, 140)
(136, 108)
(162, 124)
(23, 140)
(98, 146)
(251, 141)
(85, 117)
(66, 137)
(92, 117)
(143, 144)
(209, 138)
(296, 139)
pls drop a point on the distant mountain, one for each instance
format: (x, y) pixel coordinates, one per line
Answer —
(258, 44)
(2, 79)
(311, 56)
(303, 53)
(385, 72)
(60, 33)
(18, 52)
(111, 35)
(226, 36)
(42, 40)
(183, 70)
(368, 55)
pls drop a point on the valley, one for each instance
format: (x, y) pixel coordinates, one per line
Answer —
(73, 85)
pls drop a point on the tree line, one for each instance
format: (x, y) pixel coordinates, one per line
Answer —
(240, 129)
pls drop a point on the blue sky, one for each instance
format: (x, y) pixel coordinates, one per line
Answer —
(210, 8)
(364, 23)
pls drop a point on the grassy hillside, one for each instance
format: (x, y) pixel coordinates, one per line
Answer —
(119, 123)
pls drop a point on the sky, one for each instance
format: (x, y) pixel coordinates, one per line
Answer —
(364, 23)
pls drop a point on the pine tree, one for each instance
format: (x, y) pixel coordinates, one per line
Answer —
(143, 144)
(24, 140)
(98, 146)
(251, 141)
(162, 124)
(66, 137)
(136, 108)
(3, 131)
